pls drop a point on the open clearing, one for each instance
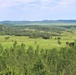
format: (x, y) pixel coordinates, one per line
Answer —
(43, 43)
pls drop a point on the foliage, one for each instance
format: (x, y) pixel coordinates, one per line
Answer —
(6, 38)
(46, 37)
(18, 60)
(59, 42)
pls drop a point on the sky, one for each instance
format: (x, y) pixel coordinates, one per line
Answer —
(33, 10)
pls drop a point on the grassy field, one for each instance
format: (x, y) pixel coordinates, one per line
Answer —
(43, 44)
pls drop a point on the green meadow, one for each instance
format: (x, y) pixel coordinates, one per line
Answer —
(42, 43)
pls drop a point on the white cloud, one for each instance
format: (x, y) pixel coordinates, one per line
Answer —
(65, 6)
(60, 5)
(9, 3)
(45, 4)
(46, 1)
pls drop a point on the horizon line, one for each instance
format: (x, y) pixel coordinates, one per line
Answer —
(39, 20)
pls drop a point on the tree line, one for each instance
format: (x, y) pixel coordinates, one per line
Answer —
(34, 31)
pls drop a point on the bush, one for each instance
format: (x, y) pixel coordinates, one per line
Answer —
(7, 37)
(59, 42)
(67, 43)
(59, 38)
(46, 37)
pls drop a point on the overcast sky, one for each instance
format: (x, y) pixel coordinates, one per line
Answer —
(37, 9)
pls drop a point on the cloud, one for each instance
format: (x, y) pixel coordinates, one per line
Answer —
(64, 4)
(43, 4)
(37, 9)
(59, 5)
(11, 3)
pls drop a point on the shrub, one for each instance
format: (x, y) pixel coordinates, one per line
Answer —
(6, 38)
(46, 37)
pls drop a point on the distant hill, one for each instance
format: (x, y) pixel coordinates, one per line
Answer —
(43, 22)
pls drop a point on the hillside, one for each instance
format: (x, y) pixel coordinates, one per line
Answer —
(43, 22)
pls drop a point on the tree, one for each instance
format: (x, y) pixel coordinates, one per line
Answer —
(59, 38)
(59, 42)
(6, 38)
(38, 68)
(14, 44)
(46, 37)
(67, 43)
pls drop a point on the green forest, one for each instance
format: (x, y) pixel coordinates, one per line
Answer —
(18, 60)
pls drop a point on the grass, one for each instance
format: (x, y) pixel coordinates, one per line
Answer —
(45, 44)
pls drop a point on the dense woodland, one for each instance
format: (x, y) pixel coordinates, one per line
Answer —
(19, 60)
(36, 31)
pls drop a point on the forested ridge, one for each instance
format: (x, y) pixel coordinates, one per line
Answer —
(18, 60)
(43, 22)
(36, 31)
